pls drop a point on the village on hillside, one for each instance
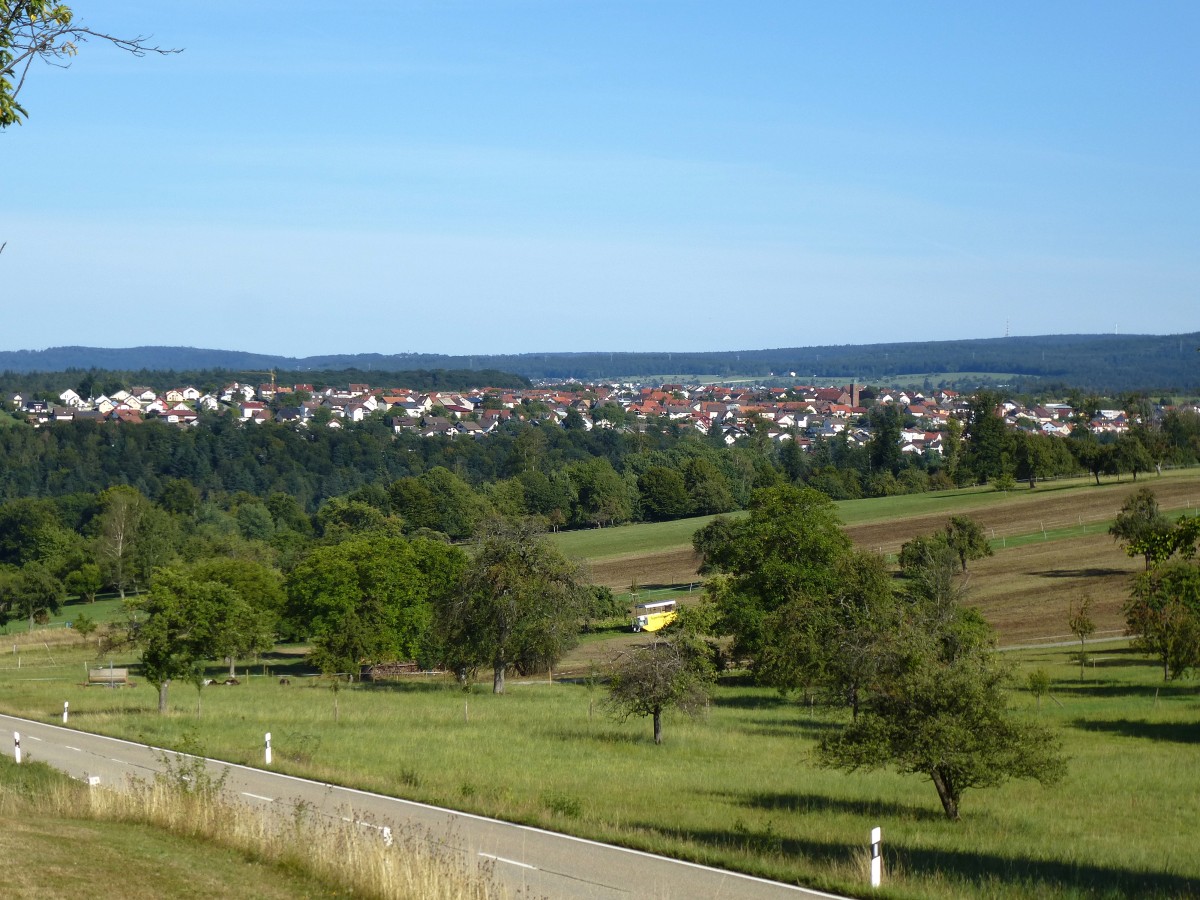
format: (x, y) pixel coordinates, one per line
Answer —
(802, 413)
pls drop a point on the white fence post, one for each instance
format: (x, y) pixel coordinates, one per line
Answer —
(876, 857)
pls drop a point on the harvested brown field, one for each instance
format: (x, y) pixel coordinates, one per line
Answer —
(1024, 590)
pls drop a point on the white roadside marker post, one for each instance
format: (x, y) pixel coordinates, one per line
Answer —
(66, 704)
(16, 747)
(876, 857)
(268, 751)
(387, 836)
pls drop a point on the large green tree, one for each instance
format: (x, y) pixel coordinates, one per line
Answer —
(966, 538)
(831, 641)
(786, 551)
(519, 601)
(369, 598)
(179, 624)
(28, 591)
(254, 623)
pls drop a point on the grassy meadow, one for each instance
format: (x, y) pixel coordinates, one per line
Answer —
(735, 787)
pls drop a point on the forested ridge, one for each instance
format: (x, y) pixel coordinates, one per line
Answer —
(1105, 363)
(91, 380)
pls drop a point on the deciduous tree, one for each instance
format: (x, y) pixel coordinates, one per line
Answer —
(787, 550)
(966, 538)
(369, 597)
(1163, 615)
(178, 625)
(664, 674)
(1141, 526)
(518, 601)
(937, 707)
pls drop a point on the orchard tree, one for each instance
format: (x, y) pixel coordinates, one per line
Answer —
(844, 632)
(937, 707)
(178, 625)
(517, 602)
(252, 626)
(1141, 526)
(46, 31)
(661, 675)
(1163, 615)
(1081, 624)
(29, 590)
(966, 538)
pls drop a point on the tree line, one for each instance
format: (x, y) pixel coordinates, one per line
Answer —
(1106, 363)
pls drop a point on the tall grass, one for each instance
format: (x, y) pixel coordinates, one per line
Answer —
(185, 803)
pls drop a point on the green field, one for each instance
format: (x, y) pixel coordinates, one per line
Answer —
(735, 787)
(657, 537)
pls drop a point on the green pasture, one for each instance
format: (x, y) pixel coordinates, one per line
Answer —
(735, 787)
(658, 537)
(624, 540)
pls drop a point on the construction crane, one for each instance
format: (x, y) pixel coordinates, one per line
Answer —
(271, 373)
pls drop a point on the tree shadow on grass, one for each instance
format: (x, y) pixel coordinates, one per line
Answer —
(419, 684)
(971, 871)
(1094, 572)
(1180, 732)
(753, 701)
(602, 734)
(1084, 690)
(820, 803)
(813, 730)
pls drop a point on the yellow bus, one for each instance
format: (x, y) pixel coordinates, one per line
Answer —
(653, 616)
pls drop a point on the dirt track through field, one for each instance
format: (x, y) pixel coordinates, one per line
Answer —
(1023, 591)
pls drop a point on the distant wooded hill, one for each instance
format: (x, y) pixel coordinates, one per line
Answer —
(1106, 363)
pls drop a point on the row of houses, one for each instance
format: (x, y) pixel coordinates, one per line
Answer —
(802, 413)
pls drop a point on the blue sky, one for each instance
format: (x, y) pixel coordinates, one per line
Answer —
(483, 176)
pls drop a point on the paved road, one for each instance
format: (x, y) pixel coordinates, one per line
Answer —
(540, 863)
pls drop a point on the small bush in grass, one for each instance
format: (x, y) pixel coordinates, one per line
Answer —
(562, 805)
(1038, 682)
(300, 746)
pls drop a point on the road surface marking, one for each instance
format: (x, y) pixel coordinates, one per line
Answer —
(258, 797)
(511, 862)
(76, 749)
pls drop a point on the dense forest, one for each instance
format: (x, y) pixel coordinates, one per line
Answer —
(1102, 363)
(93, 382)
